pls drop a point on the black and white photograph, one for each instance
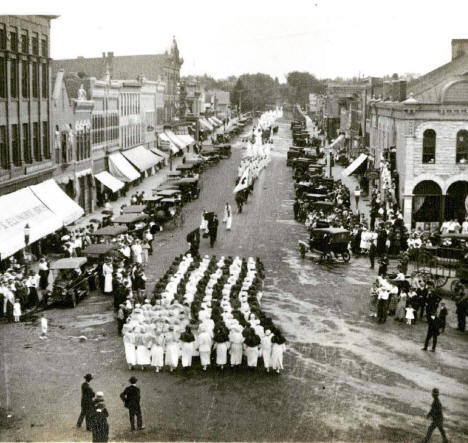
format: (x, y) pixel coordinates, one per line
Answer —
(234, 221)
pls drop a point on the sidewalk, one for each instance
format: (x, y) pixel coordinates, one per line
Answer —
(351, 182)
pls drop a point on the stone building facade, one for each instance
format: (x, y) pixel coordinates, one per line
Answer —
(25, 101)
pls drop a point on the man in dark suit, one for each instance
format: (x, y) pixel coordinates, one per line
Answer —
(437, 418)
(87, 405)
(213, 229)
(131, 398)
(433, 329)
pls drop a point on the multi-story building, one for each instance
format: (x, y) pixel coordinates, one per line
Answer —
(72, 116)
(25, 102)
(130, 114)
(425, 141)
(158, 67)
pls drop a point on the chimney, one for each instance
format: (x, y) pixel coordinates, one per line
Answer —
(399, 90)
(459, 47)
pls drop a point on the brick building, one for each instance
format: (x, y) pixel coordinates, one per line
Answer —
(72, 115)
(25, 102)
(157, 67)
(425, 140)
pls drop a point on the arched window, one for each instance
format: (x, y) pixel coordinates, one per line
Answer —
(462, 146)
(429, 146)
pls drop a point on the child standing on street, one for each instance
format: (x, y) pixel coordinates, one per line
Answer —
(17, 311)
(443, 317)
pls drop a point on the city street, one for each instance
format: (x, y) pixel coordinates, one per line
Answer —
(346, 378)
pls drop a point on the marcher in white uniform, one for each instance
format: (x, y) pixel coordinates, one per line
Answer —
(204, 346)
(107, 270)
(129, 346)
(277, 350)
(266, 349)
(157, 351)
(236, 339)
(228, 216)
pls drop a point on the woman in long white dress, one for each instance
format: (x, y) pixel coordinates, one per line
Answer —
(252, 341)
(221, 345)
(107, 270)
(129, 346)
(187, 339)
(204, 346)
(266, 349)
(236, 339)
(277, 350)
(228, 216)
(157, 351)
(172, 350)
(143, 356)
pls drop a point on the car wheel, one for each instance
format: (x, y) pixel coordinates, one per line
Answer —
(346, 256)
(73, 300)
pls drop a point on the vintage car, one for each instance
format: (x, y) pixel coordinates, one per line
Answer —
(70, 281)
(330, 243)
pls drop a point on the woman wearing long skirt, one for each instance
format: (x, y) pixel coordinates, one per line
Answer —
(400, 311)
(277, 350)
(204, 346)
(187, 340)
(157, 352)
(143, 356)
(221, 345)
(107, 270)
(251, 342)
(129, 346)
(172, 351)
(227, 216)
(236, 339)
(266, 349)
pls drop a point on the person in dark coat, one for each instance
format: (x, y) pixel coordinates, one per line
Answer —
(87, 407)
(131, 398)
(99, 425)
(381, 240)
(433, 328)
(193, 238)
(443, 317)
(383, 265)
(437, 418)
(462, 309)
(213, 229)
(372, 254)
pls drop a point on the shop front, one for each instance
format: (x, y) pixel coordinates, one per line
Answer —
(427, 206)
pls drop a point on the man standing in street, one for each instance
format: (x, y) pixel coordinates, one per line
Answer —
(87, 406)
(437, 418)
(433, 328)
(382, 304)
(213, 229)
(131, 398)
(372, 253)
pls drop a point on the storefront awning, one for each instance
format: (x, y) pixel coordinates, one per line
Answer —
(188, 139)
(216, 119)
(161, 154)
(337, 143)
(18, 209)
(109, 181)
(176, 140)
(141, 157)
(206, 125)
(353, 167)
(57, 201)
(121, 168)
(213, 122)
(167, 143)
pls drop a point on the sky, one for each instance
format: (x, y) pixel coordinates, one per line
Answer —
(328, 38)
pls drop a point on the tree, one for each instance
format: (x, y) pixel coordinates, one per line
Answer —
(256, 92)
(302, 84)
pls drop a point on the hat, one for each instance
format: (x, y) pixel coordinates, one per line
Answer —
(133, 380)
(99, 394)
(267, 332)
(435, 391)
(88, 377)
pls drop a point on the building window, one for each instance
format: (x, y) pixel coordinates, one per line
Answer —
(36, 142)
(35, 45)
(429, 146)
(35, 80)
(4, 157)
(14, 78)
(44, 80)
(3, 78)
(45, 140)
(14, 41)
(24, 43)
(44, 48)
(2, 38)
(26, 145)
(462, 146)
(15, 146)
(25, 79)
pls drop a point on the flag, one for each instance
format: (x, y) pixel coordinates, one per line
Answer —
(243, 182)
